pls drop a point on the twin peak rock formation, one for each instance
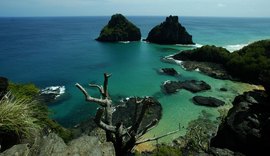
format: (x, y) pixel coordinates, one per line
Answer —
(168, 32)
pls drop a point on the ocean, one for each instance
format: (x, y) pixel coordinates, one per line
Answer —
(50, 51)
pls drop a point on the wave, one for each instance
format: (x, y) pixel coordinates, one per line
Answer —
(234, 47)
(124, 42)
(190, 45)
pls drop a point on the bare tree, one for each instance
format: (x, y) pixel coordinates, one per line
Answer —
(123, 138)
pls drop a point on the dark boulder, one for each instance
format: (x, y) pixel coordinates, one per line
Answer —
(207, 101)
(126, 110)
(169, 71)
(169, 32)
(193, 86)
(119, 29)
(3, 86)
(247, 125)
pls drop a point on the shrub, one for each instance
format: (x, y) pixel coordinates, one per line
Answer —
(19, 116)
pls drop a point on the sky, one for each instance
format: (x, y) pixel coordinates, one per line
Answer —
(219, 8)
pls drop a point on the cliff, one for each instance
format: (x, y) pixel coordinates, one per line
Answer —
(119, 29)
(169, 32)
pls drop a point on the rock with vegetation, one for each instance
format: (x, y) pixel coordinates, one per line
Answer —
(207, 101)
(191, 85)
(247, 64)
(247, 125)
(169, 32)
(119, 29)
(23, 117)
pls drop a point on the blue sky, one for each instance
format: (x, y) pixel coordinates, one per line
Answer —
(228, 8)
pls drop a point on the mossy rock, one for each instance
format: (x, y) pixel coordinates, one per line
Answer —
(119, 29)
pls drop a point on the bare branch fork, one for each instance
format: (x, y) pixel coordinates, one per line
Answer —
(124, 139)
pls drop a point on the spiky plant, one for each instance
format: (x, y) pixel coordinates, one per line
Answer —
(19, 116)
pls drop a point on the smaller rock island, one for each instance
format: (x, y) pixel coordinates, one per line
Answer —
(169, 32)
(119, 29)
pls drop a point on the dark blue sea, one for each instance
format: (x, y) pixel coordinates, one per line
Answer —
(51, 51)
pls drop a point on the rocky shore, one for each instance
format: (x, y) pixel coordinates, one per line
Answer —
(247, 125)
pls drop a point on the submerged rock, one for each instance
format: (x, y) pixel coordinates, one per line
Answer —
(170, 32)
(208, 101)
(169, 71)
(119, 29)
(191, 85)
(247, 125)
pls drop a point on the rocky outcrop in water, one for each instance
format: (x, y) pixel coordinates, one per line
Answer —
(119, 29)
(207, 101)
(168, 71)
(169, 32)
(191, 85)
(247, 125)
(51, 94)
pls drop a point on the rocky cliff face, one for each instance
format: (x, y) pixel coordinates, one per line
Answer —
(119, 29)
(54, 145)
(169, 32)
(247, 126)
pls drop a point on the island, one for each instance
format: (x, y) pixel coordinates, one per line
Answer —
(119, 29)
(169, 32)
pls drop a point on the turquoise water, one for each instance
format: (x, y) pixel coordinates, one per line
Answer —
(62, 51)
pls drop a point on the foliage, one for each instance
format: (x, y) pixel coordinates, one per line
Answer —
(199, 133)
(166, 150)
(247, 64)
(19, 116)
(23, 91)
(206, 53)
(28, 93)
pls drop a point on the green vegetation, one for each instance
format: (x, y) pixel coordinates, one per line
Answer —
(249, 62)
(23, 116)
(246, 64)
(19, 116)
(166, 150)
(119, 29)
(23, 91)
(199, 133)
(205, 54)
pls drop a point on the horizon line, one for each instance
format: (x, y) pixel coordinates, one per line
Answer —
(132, 16)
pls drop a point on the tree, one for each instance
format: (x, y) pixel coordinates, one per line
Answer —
(123, 138)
